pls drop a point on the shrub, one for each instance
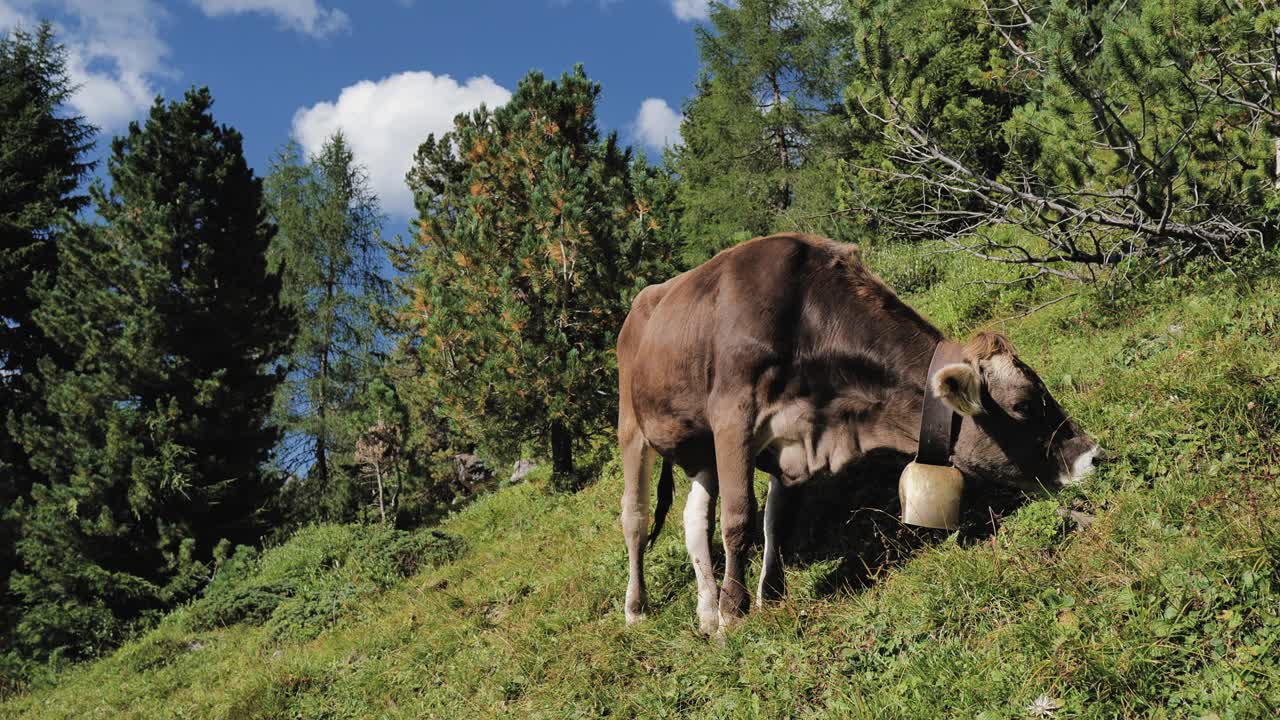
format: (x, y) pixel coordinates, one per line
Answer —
(307, 584)
(311, 610)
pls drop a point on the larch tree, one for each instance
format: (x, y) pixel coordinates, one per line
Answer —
(153, 447)
(531, 238)
(332, 263)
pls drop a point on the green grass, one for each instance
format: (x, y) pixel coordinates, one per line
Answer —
(1168, 606)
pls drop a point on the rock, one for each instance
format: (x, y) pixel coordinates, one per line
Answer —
(471, 472)
(1082, 520)
(521, 470)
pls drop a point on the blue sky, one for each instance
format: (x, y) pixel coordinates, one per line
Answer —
(386, 72)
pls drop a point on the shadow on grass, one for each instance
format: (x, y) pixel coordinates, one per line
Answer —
(853, 518)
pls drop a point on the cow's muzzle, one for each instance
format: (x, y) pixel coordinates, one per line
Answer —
(1081, 457)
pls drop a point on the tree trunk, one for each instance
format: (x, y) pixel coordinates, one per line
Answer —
(784, 152)
(395, 492)
(1277, 182)
(382, 507)
(322, 454)
(562, 455)
(322, 405)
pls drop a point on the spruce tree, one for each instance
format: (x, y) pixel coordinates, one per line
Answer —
(42, 163)
(331, 261)
(763, 134)
(153, 447)
(531, 238)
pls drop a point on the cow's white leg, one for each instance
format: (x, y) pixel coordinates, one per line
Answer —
(772, 578)
(699, 521)
(637, 464)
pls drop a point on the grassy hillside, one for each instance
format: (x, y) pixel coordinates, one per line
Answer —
(1167, 606)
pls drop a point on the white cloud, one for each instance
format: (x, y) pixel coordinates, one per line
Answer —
(113, 52)
(108, 100)
(306, 16)
(691, 10)
(386, 120)
(656, 124)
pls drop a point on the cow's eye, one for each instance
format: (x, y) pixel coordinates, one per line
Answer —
(1024, 408)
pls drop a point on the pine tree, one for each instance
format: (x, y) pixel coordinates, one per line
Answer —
(945, 65)
(531, 235)
(332, 261)
(42, 163)
(153, 448)
(1059, 137)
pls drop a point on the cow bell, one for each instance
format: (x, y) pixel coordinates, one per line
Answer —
(930, 495)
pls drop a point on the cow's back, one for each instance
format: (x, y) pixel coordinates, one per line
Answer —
(746, 300)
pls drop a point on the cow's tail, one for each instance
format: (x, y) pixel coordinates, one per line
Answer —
(666, 488)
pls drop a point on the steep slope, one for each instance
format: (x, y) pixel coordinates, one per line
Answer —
(1168, 605)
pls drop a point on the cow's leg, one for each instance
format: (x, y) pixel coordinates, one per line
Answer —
(699, 522)
(637, 462)
(734, 468)
(776, 518)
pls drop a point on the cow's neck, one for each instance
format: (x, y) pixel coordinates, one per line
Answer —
(915, 340)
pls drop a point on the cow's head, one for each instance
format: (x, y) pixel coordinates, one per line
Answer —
(1015, 432)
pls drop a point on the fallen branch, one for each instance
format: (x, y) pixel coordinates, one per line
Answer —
(1082, 520)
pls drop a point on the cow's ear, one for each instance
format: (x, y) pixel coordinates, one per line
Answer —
(960, 387)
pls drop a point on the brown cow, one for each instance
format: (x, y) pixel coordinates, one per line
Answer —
(786, 353)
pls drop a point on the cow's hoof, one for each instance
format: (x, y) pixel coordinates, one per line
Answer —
(708, 622)
(772, 589)
(769, 598)
(728, 622)
(634, 617)
(733, 606)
